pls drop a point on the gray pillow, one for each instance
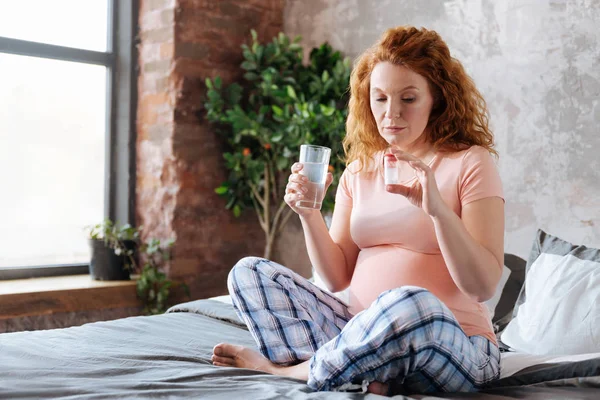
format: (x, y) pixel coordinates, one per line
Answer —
(510, 292)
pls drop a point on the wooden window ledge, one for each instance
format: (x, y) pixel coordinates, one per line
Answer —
(40, 296)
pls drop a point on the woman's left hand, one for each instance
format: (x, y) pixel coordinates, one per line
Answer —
(422, 193)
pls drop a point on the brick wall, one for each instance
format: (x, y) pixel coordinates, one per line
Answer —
(179, 158)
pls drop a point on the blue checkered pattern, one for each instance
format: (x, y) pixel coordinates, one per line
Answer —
(407, 337)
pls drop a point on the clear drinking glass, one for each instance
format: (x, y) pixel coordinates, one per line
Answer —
(315, 161)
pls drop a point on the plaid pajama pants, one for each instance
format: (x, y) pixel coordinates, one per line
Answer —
(407, 337)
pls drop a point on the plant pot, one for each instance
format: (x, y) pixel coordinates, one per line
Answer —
(105, 265)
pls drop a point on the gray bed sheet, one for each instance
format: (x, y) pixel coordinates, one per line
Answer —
(168, 356)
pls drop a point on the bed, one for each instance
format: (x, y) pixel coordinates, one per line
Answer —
(168, 356)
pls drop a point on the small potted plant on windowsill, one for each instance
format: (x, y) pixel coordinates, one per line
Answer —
(112, 250)
(118, 251)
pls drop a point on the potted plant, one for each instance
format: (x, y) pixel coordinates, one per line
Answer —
(117, 251)
(112, 248)
(280, 105)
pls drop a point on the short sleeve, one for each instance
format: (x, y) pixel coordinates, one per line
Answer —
(343, 195)
(479, 176)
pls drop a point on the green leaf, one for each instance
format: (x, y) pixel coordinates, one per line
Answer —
(208, 83)
(264, 109)
(327, 111)
(229, 157)
(237, 211)
(259, 53)
(221, 190)
(230, 203)
(249, 65)
(291, 92)
(283, 163)
(250, 76)
(277, 110)
(248, 55)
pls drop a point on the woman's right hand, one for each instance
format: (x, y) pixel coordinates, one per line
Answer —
(296, 189)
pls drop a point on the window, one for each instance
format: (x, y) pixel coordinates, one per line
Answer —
(60, 122)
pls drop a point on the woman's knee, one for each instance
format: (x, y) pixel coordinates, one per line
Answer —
(403, 293)
(413, 303)
(243, 271)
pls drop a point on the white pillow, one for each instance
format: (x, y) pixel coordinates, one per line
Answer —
(561, 312)
(493, 302)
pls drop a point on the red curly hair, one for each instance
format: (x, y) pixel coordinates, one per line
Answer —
(459, 116)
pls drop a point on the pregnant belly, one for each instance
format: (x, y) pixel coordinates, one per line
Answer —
(388, 267)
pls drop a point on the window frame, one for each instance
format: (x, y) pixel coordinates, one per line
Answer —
(120, 61)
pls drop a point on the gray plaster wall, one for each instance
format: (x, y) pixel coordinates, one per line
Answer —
(537, 63)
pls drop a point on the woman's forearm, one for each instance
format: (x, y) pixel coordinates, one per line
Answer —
(325, 255)
(474, 269)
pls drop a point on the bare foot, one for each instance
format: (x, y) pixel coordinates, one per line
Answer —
(378, 388)
(230, 355)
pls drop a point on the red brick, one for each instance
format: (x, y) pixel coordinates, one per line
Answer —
(167, 50)
(157, 35)
(202, 69)
(153, 5)
(152, 105)
(198, 4)
(197, 51)
(157, 66)
(157, 19)
(150, 52)
(167, 17)
(275, 5)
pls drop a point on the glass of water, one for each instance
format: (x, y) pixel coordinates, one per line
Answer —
(315, 161)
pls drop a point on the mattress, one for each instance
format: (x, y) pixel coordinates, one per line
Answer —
(169, 356)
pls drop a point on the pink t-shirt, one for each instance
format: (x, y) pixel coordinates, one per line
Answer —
(397, 240)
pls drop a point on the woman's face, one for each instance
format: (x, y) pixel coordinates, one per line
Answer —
(401, 103)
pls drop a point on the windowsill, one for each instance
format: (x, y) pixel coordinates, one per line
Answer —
(40, 296)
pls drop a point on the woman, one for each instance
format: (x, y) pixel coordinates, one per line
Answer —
(419, 257)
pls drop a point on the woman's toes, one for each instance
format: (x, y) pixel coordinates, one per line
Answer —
(227, 350)
(217, 364)
(221, 360)
(376, 387)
